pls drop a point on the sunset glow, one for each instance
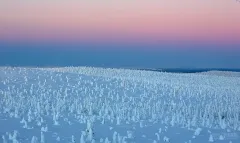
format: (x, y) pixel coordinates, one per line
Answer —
(121, 21)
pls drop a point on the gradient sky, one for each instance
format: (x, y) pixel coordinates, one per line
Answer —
(171, 26)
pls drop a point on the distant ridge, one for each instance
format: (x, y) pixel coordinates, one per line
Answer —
(190, 70)
(169, 70)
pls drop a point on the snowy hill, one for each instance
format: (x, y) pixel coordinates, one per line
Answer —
(87, 104)
(222, 73)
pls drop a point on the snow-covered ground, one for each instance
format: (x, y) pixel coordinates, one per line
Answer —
(222, 73)
(87, 105)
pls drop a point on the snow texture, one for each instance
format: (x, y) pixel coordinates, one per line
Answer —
(93, 105)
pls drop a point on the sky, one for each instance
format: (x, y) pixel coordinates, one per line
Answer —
(186, 33)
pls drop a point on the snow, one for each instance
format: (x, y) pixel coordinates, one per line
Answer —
(222, 73)
(88, 104)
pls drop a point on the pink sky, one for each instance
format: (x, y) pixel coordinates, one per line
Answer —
(121, 20)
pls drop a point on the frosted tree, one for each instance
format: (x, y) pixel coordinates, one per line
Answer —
(34, 139)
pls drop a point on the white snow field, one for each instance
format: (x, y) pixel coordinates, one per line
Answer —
(94, 105)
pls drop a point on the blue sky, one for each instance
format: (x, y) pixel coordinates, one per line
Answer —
(107, 55)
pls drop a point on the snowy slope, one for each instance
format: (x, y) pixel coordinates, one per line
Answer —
(222, 73)
(86, 104)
